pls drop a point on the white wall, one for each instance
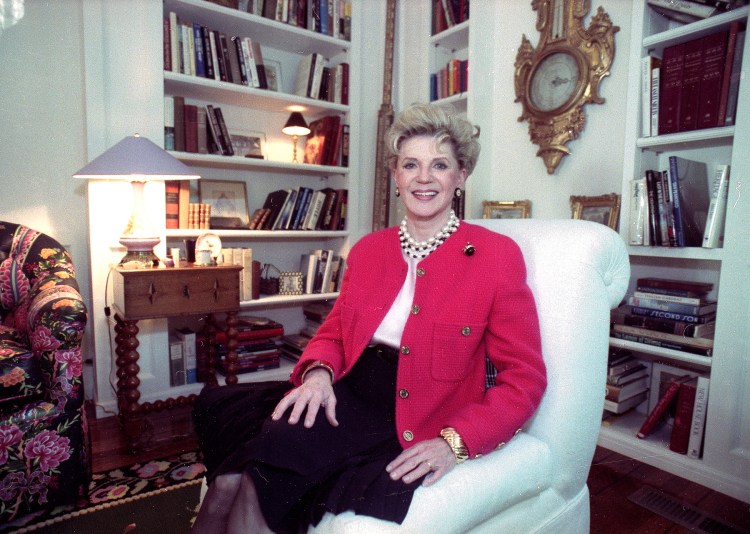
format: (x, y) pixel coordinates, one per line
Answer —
(43, 131)
(509, 168)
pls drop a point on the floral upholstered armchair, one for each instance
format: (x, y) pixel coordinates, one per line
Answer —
(44, 459)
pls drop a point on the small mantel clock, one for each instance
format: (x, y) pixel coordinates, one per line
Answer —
(557, 78)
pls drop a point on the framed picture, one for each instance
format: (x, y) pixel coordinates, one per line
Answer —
(273, 75)
(249, 144)
(506, 209)
(228, 201)
(290, 283)
(604, 209)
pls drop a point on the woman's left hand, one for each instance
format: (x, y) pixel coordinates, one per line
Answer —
(433, 457)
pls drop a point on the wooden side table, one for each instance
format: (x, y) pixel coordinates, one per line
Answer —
(162, 293)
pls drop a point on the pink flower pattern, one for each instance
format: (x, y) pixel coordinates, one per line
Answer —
(9, 435)
(72, 362)
(43, 339)
(49, 448)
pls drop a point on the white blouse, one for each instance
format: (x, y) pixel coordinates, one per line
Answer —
(391, 329)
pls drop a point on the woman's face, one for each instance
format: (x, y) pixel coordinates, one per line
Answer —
(427, 176)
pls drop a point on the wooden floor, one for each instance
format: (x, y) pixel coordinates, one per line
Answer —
(611, 479)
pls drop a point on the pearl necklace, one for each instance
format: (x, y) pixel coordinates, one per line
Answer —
(422, 249)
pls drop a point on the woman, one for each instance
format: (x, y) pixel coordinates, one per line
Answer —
(390, 393)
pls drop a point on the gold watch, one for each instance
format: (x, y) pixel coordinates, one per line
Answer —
(454, 441)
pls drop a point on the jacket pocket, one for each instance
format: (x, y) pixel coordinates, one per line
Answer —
(454, 348)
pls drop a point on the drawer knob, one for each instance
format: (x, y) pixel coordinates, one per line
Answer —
(152, 293)
(216, 290)
(186, 291)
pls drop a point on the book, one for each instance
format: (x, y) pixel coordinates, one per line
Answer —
(660, 410)
(692, 72)
(638, 206)
(246, 275)
(683, 417)
(226, 145)
(673, 286)
(698, 422)
(691, 199)
(176, 362)
(685, 11)
(692, 318)
(179, 123)
(631, 374)
(172, 203)
(670, 88)
(274, 203)
(734, 80)
(712, 78)
(187, 338)
(169, 123)
(191, 128)
(624, 315)
(665, 297)
(184, 204)
(252, 328)
(654, 231)
(675, 307)
(662, 343)
(618, 392)
(697, 342)
(713, 235)
(626, 404)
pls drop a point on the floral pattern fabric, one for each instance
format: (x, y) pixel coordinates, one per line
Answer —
(44, 458)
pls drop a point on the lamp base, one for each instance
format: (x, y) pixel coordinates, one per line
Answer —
(140, 254)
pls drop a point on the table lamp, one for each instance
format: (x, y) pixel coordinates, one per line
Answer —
(295, 127)
(137, 160)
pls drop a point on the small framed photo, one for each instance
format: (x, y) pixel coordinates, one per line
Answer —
(249, 144)
(604, 209)
(290, 283)
(273, 75)
(506, 209)
(228, 201)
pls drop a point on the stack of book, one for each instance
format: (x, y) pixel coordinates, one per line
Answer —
(196, 129)
(692, 85)
(322, 16)
(687, 11)
(627, 382)
(322, 271)
(668, 313)
(680, 400)
(257, 348)
(302, 208)
(315, 313)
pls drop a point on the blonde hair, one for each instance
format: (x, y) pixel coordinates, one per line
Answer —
(443, 124)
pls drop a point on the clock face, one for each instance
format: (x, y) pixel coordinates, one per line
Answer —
(554, 81)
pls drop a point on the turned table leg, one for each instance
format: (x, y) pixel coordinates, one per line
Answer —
(128, 395)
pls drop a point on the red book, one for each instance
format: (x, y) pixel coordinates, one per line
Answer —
(714, 67)
(692, 72)
(670, 87)
(661, 407)
(683, 417)
(172, 198)
(191, 128)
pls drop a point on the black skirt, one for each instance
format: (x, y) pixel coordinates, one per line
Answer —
(300, 473)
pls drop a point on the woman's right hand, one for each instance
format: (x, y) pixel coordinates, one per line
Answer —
(316, 392)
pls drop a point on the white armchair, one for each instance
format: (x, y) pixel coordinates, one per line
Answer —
(578, 271)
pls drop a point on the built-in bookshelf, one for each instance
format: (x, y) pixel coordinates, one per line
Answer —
(449, 55)
(262, 112)
(725, 461)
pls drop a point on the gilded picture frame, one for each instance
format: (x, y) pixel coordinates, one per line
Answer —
(506, 209)
(604, 209)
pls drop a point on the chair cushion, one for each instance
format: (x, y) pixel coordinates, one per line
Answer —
(20, 372)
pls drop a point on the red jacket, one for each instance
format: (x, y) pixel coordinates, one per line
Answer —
(469, 306)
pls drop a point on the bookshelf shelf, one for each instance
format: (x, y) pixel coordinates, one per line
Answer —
(453, 38)
(235, 162)
(727, 428)
(253, 235)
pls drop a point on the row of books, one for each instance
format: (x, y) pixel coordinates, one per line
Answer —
(329, 17)
(258, 345)
(448, 13)
(679, 206)
(328, 142)
(322, 271)
(627, 382)
(319, 81)
(451, 80)
(302, 208)
(679, 398)
(687, 11)
(196, 50)
(668, 313)
(693, 85)
(198, 129)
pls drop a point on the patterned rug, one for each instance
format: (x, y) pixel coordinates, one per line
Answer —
(121, 486)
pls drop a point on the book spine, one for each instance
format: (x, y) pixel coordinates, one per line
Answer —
(670, 88)
(661, 343)
(674, 307)
(713, 237)
(698, 423)
(653, 213)
(637, 211)
(715, 63)
(691, 82)
(655, 81)
(678, 441)
(734, 80)
(659, 410)
(649, 312)
(172, 203)
(176, 363)
(674, 182)
(662, 297)
(697, 342)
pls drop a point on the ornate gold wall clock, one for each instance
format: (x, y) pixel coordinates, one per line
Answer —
(557, 78)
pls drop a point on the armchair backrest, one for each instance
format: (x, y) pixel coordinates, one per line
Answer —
(577, 271)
